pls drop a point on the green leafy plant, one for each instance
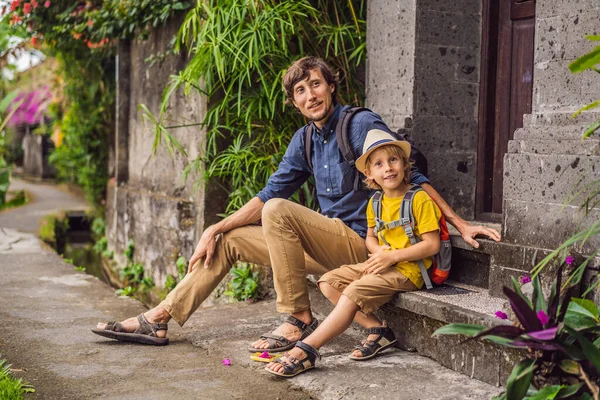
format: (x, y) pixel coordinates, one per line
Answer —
(52, 227)
(101, 245)
(170, 283)
(239, 51)
(561, 334)
(11, 388)
(181, 265)
(244, 283)
(126, 291)
(80, 268)
(129, 249)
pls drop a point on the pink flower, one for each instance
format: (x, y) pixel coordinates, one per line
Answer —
(14, 5)
(543, 317)
(525, 279)
(569, 260)
(47, 3)
(265, 354)
(226, 362)
(26, 8)
(501, 315)
(90, 22)
(34, 3)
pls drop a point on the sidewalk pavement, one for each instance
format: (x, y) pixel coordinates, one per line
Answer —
(47, 309)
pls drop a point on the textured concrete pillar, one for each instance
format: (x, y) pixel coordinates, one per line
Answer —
(547, 162)
(423, 76)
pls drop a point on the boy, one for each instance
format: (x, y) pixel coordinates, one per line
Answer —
(390, 269)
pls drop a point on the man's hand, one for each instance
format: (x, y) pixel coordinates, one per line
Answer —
(205, 248)
(469, 232)
(379, 261)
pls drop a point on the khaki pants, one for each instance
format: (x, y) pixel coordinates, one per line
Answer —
(293, 239)
(369, 292)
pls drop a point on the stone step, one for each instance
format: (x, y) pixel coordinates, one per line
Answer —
(585, 147)
(553, 132)
(414, 316)
(560, 118)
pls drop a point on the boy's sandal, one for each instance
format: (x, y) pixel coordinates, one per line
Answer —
(145, 333)
(370, 348)
(280, 343)
(293, 366)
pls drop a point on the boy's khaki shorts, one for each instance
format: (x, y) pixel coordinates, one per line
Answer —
(369, 292)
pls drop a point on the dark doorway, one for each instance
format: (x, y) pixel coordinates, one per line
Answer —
(506, 91)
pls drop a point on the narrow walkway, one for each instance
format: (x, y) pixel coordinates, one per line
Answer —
(44, 199)
(47, 309)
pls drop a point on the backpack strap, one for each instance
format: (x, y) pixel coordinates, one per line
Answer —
(379, 223)
(343, 140)
(308, 144)
(407, 221)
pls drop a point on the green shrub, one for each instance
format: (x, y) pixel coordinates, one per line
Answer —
(244, 284)
(11, 388)
(53, 226)
(126, 291)
(170, 283)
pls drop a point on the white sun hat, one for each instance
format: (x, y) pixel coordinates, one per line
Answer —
(374, 140)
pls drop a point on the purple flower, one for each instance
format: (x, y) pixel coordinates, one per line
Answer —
(543, 317)
(569, 260)
(501, 315)
(265, 355)
(226, 362)
(525, 279)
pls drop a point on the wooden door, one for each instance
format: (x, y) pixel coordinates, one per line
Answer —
(505, 94)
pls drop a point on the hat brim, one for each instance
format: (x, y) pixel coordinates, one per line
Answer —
(361, 162)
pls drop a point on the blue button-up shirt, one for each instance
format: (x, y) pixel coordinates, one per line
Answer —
(334, 177)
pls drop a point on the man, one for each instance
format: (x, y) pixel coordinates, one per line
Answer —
(293, 239)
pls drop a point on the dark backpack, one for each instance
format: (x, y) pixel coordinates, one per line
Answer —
(341, 134)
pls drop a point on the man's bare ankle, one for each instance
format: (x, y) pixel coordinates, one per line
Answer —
(159, 314)
(304, 316)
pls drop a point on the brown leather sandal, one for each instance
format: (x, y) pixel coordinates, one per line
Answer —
(145, 333)
(280, 343)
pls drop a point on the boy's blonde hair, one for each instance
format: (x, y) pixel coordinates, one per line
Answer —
(390, 150)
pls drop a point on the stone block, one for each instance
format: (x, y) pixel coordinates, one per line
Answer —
(470, 267)
(453, 175)
(557, 89)
(548, 8)
(561, 118)
(448, 29)
(550, 132)
(580, 24)
(550, 38)
(445, 133)
(548, 178)
(390, 82)
(449, 99)
(546, 226)
(462, 6)
(390, 22)
(452, 64)
(586, 147)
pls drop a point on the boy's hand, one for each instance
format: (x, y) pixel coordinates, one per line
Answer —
(379, 261)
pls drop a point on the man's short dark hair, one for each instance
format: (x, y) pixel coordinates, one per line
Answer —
(300, 70)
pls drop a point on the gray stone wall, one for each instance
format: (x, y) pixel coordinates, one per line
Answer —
(548, 163)
(423, 76)
(148, 200)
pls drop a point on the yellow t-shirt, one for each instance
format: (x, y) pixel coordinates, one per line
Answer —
(426, 214)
